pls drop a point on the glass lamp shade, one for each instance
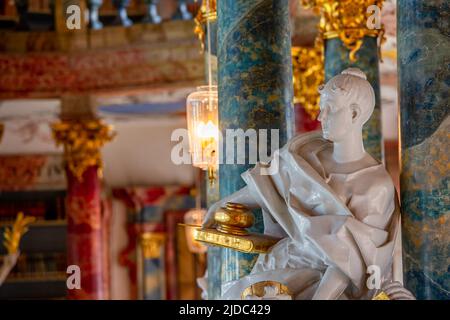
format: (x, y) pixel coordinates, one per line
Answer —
(194, 217)
(202, 118)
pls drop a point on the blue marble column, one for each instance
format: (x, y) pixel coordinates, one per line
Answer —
(255, 91)
(336, 60)
(424, 86)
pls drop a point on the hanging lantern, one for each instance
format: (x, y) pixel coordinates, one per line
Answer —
(202, 118)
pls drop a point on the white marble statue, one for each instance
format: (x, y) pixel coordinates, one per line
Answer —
(334, 206)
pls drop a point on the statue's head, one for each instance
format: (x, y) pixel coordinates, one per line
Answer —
(346, 103)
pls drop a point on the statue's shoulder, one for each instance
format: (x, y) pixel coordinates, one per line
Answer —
(305, 143)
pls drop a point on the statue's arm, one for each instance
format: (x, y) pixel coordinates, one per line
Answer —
(241, 196)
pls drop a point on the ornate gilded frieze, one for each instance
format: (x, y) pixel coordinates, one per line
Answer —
(309, 74)
(203, 15)
(347, 20)
(82, 140)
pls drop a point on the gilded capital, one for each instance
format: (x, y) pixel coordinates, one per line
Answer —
(151, 243)
(309, 74)
(348, 20)
(82, 141)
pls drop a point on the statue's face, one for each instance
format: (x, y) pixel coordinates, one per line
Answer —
(335, 115)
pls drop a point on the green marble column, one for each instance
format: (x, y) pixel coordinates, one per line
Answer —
(255, 91)
(336, 60)
(423, 35)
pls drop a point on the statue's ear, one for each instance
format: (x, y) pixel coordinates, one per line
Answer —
(356, 112)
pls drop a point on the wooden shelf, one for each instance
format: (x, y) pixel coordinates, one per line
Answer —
(38, 223)
(48, 276)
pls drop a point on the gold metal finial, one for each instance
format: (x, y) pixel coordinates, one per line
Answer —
(231, 231)
(14, 234)
(234, 219)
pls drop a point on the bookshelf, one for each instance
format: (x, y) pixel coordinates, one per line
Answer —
(40, 272)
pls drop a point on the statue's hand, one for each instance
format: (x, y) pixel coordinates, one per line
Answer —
(396, 291)
(208, 222)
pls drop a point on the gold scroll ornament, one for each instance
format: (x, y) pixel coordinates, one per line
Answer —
(14, 234)
(82, 140)
(346, 20)
(231, 231)
(203, 15)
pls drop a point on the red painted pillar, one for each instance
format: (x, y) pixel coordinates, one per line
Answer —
(84, 233)
(82, 140)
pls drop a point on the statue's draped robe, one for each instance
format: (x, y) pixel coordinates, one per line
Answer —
(346, 221)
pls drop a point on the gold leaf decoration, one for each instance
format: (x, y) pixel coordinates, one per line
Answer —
(309, 74)
(14, 234)
(346, 20)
